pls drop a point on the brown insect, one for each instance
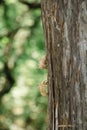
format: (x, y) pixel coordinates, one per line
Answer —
(43, 62)
(43, 88)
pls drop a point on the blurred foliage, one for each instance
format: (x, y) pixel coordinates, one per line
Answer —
(21, 47)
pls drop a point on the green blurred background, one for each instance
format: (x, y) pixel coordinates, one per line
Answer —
(21, 47)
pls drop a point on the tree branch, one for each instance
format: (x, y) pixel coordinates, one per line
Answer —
(10, 33)
(1, 1)
(31, 5)
(9, 81)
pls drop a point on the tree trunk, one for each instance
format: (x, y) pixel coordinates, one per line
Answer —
(65, 29)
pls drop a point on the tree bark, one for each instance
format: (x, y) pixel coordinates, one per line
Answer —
(65, 30)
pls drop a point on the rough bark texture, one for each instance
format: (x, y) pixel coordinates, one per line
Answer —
(65, 29)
